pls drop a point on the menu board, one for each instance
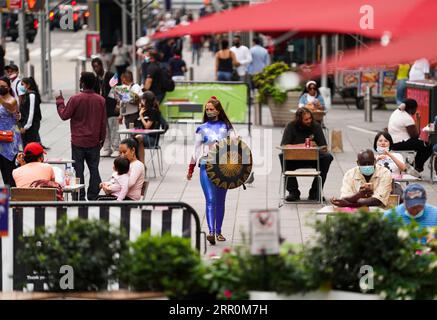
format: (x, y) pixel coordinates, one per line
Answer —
(369, 78)
(387, 84)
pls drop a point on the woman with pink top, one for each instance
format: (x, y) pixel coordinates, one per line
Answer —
(128, 149)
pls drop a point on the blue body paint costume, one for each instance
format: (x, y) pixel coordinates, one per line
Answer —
(206, 135)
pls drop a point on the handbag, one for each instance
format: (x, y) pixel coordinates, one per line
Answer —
(6, 136)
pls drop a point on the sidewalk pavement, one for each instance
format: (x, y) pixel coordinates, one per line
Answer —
(295, 220)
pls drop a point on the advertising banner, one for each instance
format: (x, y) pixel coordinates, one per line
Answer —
(233, 96)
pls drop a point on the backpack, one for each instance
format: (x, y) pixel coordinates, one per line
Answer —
(167, 83)
(43, 183)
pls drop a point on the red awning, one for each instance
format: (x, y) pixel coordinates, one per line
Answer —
(405, 50)
(397, 17)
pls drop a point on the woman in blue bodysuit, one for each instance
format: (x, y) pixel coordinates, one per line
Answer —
(216, 126)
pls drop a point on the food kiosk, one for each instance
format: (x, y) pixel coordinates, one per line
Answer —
(425, 93)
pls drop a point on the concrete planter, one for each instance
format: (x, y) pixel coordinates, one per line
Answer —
(313, 295)
(102, 295)
(281, 112)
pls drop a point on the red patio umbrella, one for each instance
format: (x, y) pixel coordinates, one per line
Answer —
(397, 17)
(406, 49)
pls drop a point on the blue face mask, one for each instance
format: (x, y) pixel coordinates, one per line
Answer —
(367, 170)
(146, 59)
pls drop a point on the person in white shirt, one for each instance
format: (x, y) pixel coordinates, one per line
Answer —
(129, 106)
(403, 130)
(13, 72)
(393, 161)
(244, 57)
(120, 58)
(420, 70)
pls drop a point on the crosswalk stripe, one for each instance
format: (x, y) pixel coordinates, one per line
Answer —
(56, 52)
(73, 53)
(35, 53)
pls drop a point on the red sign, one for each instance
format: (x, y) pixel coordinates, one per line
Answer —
(422, 98)
(92, 44)
(15, 4)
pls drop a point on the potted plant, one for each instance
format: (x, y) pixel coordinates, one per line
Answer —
(279, 100)
(91, 248)
(165, 264)
(351, 245)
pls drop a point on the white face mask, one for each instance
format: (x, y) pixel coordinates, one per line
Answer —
(381, 149)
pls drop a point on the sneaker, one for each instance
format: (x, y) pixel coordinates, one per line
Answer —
(115, 154)
(105, 153)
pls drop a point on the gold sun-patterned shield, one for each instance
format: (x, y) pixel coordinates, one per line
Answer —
(229, 163)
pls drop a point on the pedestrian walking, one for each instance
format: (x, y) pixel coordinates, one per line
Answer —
(154, 76)
(216, 126)
(30, 110)
(260, 58)
(120, 57)
(11, 141)
(244, 58)
(225, 61)
(196, 47)
(87, 114)
(103, 87)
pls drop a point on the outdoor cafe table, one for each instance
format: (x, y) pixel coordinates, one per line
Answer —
(73, 189)
(139, 131)
(330, 209)
(59, 161)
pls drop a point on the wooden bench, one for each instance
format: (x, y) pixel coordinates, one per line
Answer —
(33, 194)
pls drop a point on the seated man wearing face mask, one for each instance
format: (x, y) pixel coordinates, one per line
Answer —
(416, 209)
(365, 185)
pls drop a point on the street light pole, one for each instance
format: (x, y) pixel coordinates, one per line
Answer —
(42, 24)
(134, 52)
(124, 22)
(22, 43)
(48, 52)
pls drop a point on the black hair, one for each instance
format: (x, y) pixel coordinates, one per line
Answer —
(122, 165)
(131, 143)
(257, 41)
(299, 115)
(222, 114)
(410, 106)
(88, 79)
(30, 157)
(8, 82)
(155, 55)
(97, 60)
(237, 36)
(386, 135)
(32, 86)
(225, 44)
(150, 100)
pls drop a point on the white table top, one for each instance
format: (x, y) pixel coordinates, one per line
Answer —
(71, 188)
(140, 131)
(406, 178)
(178, 103)
(58, 161)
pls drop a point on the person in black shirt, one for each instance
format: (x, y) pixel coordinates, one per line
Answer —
(30, 112)
(153, 77)
(150, 118)
(178, 67)
(102, 87)
(296, 132)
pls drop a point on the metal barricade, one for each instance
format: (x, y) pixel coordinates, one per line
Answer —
(135, 217)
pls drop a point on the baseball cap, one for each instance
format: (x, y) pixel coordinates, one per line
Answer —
(414, 195)
(34, 148)
(12, 66)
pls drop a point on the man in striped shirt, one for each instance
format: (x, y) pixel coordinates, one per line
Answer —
(415, 208)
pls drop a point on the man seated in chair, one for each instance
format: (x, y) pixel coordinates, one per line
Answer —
(296, 133)
(367, 184)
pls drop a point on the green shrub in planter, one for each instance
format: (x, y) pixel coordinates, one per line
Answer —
(351, 241)
(165, 264)
(265, 82)
(91, 247)
(237, 272)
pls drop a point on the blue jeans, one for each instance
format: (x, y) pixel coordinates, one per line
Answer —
(401, 87)
(224, 76)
